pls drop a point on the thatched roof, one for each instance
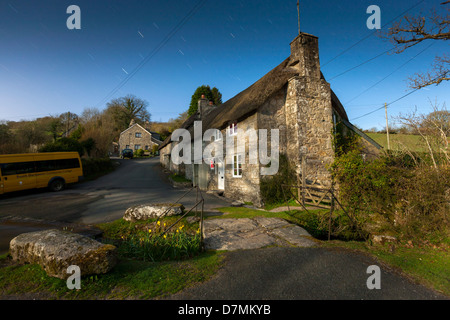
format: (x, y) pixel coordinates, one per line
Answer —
(248, 101)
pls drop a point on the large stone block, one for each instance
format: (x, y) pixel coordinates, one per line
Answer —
(56, 250)
(152, 211)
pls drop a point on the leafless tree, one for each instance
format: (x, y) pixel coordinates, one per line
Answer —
(434, 129)
(412, 30)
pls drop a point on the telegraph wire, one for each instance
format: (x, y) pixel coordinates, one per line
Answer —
(369, 35)
(390, 74)
(390, 103)
(361, 64)
(168, 37)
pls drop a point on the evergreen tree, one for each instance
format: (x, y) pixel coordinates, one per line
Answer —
(213, 95)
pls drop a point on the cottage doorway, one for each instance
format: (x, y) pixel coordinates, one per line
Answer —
(221, 176)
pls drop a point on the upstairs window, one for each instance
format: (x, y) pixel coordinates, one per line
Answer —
(138, 135)
(218, 135)
(232, 129)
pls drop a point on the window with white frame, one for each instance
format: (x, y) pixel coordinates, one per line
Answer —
(137, 146)
(138, 135)
(237, 166)
(232, 129)
(217, 135)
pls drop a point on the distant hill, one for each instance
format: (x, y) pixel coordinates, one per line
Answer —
(400, 141)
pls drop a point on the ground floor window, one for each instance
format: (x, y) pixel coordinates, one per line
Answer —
(137, 146)
(237, 166)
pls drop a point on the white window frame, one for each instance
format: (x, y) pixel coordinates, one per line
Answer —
(232, 129)
(136, 147)
(237, 161)
(138, 135)
(217, 135)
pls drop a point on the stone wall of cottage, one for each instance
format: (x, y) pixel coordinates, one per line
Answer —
(245, 188)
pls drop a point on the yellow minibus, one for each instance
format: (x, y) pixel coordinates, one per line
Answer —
(39, 170)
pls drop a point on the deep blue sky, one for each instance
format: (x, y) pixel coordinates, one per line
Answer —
(47, 69)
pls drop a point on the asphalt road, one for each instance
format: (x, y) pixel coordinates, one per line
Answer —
(303, 274)
(134, 182)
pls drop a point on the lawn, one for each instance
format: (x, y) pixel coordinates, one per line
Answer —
(400, 141)
(130, 279)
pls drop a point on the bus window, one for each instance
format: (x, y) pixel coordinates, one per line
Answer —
(17, 176)
(9, 169)
(52, 165)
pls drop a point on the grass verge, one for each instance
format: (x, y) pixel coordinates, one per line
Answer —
(130, 279)
(179, 178)
(135, 276)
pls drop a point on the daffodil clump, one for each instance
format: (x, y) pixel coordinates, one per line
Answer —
(154, 244)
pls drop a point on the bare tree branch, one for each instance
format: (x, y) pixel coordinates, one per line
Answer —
(410, 31)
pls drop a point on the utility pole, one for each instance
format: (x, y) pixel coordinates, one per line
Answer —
(387, 127)
(67, 124)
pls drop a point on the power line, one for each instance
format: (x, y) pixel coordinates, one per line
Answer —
(155, 50)
(404, 64)
(361, 64)
(390, 103)
(369, 35)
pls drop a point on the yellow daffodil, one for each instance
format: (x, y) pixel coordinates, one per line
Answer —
(149, 230)
(165, 236)
(158, 223)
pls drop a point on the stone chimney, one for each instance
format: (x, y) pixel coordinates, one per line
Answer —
(132, 122)
(309, 101)
(204, 107)
(305, 55)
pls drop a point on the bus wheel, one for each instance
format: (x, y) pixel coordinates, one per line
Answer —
(57, 185)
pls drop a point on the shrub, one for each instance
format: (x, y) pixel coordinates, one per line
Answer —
(391, 194)
(63, 145)
(425, 203)
(271, 186)
(179, 178)
(93, 167)
(139, 153)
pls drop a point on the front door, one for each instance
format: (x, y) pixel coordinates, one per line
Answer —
(221, 176)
